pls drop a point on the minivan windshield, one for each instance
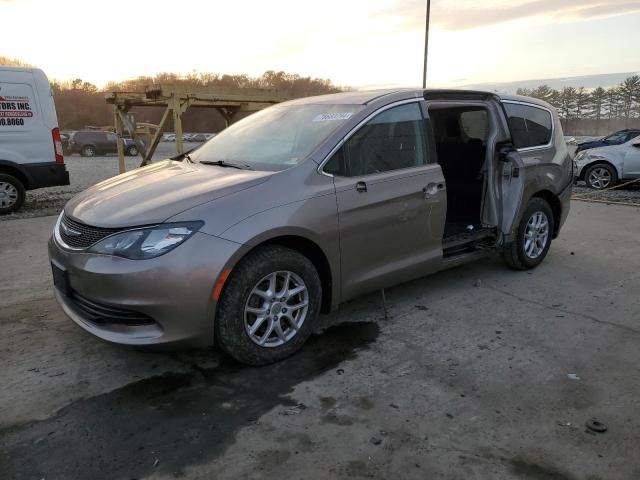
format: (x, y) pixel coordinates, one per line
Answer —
(275, 138)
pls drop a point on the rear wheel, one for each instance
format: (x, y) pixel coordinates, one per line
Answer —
(132, 150)
(601, 176)
(88, 151)
(12, 193)
(269, 306)
(533, 237)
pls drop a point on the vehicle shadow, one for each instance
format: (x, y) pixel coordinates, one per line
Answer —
(168, 422)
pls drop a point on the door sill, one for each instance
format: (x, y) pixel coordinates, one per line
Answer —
(464, 243)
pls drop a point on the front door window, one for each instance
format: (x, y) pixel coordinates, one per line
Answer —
(392, 140)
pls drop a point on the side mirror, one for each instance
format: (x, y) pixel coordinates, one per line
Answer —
(637, 145)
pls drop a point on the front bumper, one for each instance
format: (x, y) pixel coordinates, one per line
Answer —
(174, 291)
(579, 171)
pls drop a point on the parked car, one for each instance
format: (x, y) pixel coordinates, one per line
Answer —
(617, 138)
(199, 137)
(90, 143)
(64, 138)
(302, 206)
(31, 153)
(604, 167)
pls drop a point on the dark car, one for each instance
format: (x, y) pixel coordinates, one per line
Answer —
(64, 138)
(199, 137)
(90, 143)
(616, 138)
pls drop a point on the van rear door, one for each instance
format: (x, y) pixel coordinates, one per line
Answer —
(25, 129)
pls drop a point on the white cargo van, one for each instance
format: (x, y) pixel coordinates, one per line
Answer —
(30, 145)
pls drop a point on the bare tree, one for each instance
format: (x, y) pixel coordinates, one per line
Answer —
(597, 100)
(566, 104)
(629, 92)
(581, 102)
(13, 62)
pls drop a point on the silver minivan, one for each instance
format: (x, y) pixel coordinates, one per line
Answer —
(304, 205)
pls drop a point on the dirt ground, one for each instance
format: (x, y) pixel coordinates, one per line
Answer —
(478, 372)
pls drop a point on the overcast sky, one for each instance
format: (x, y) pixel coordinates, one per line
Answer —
(355, 43)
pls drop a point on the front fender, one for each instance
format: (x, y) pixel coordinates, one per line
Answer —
(602, 159)
(313, 219)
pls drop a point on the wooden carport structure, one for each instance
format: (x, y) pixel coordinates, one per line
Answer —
(176, 99)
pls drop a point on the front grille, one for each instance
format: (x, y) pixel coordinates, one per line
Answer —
(100, 313)
(79, 235)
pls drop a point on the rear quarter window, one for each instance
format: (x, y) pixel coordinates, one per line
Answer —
(530, 126)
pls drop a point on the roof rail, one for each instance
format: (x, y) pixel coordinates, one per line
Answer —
(459, 95)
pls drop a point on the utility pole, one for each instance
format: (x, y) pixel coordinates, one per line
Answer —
(426, 46)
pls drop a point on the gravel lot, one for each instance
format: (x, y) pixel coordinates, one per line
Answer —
(84, 172)
(629, 194)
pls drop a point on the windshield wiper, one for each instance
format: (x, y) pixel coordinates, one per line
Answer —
(224, 163)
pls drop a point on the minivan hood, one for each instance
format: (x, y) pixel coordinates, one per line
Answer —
(155, 193)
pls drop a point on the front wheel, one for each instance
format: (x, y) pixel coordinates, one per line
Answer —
(132, 150)
(601, 176)
(269, 306)
(533, 237)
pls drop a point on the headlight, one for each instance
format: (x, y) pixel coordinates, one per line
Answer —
(581, 156)
(143, 243)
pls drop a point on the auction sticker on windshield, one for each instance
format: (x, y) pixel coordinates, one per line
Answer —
(326, 117)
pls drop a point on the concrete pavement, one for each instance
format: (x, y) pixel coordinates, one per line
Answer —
(480, 372)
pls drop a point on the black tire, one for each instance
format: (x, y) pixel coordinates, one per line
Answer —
(514, 253)
(595, 168)
(12, 193)
(132, 150)
(88, 151)
(231, 335)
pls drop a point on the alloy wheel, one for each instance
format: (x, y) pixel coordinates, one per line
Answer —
(8, 195)
(600, 178)
(276, 309)
(88, 151)
(536, 235)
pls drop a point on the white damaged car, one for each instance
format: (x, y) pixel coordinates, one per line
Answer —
(604, 167)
